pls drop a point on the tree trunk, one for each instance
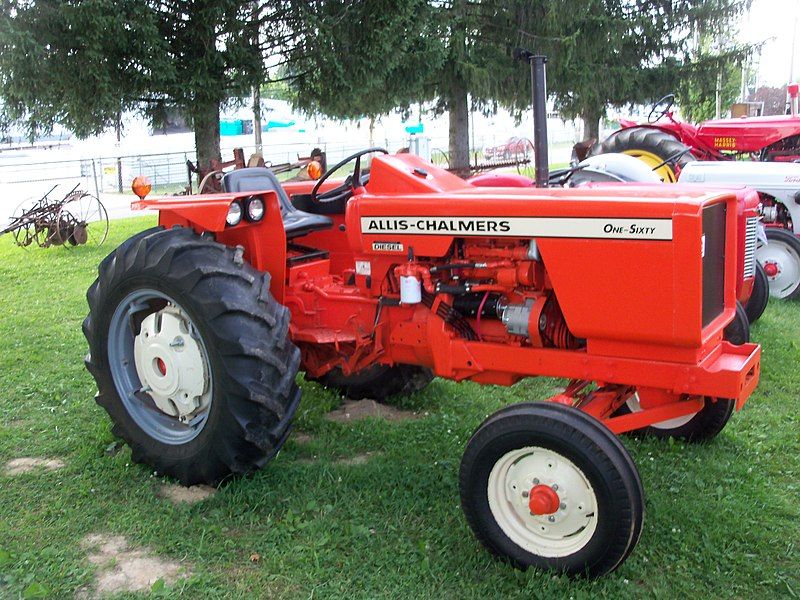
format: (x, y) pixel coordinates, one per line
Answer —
(458, 106)
(257, 119)
(591, 123)
(205, 115)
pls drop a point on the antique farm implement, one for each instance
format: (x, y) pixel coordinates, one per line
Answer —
(75, 219)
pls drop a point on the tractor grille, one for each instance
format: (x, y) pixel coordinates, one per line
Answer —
(750, 241)
(714, 220)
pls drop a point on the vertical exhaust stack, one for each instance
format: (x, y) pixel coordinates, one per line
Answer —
(539, 103)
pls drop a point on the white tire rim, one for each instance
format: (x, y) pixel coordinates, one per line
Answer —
(561, 533)
(634, 406)
(787, 262)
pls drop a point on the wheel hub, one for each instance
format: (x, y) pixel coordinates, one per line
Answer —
(543, 500)
(171, 364)
(771, 269)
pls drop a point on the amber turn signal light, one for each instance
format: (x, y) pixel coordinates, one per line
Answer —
(314, 169)
(141, 186)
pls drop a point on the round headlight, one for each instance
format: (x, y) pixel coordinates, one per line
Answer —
(234, 214)
(255, 209)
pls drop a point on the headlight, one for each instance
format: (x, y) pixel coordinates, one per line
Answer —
(254, 208)
(234, 214)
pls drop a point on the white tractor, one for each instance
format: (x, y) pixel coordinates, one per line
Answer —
(778, 185)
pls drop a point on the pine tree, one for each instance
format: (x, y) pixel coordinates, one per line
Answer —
(79, 63)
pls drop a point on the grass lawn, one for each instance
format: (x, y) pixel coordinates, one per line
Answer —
(723, 520)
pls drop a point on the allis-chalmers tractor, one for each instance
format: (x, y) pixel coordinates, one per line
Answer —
(375, 284)
(667, 144)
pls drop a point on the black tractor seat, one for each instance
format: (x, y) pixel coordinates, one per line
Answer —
(258, 179)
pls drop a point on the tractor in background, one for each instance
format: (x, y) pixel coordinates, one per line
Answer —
(667, 144)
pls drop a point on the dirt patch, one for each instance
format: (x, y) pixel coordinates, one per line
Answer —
(356, 410)
(190, 495)
(348, 461)
(298, 437)
(18, 466)
(124, 569)
(358, 459)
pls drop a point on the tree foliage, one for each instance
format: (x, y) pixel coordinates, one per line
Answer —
(81, 62)
(379, 54)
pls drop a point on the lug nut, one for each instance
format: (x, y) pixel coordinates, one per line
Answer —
(551, 518)
(555, 487)
(525, 494)
(563, 505)
(535, 481)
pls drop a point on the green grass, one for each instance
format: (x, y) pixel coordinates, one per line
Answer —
(723, 520)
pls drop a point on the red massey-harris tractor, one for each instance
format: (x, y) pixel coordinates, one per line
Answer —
(667, 144)
(376, 284)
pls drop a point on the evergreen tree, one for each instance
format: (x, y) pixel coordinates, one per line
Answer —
(81, 62)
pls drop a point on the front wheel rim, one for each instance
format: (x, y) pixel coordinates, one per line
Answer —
(552, 533)
(160, 367)
(785, 263)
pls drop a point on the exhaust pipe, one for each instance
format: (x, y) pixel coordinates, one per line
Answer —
(539, 103)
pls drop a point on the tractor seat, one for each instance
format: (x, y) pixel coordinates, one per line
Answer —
(258, 179)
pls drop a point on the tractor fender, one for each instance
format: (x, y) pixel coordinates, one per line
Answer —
(206, 213)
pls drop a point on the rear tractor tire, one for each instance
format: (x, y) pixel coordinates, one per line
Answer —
(548, 486)
(653, 147)
(378, 382)
(191, 356)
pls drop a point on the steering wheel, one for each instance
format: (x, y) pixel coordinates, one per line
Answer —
(667, 101)
(344, 191)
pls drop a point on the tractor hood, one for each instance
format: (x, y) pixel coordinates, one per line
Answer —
(747, 134)
(767, 177)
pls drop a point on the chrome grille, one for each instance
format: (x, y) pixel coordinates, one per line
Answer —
(750, 240)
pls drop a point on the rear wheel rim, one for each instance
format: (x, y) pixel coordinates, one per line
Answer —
(558, 534)
(666, 172)
(786, 262)
(159, 381)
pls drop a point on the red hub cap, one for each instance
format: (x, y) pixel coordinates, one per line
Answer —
(162, 366)
(771, 269)
(543, 500)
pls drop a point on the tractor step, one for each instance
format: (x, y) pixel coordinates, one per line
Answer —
(296, 254)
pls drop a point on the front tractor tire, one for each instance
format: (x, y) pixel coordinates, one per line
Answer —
(659, 150)
(548, 486)
(759, 298)
(378, 382)
(191, 356)
(709, 421)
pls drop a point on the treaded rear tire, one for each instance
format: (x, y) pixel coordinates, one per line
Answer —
(589, 445)
(245, 332)
(648, 139)
(378, 382)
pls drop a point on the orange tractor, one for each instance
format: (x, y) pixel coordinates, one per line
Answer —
(375, 284)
